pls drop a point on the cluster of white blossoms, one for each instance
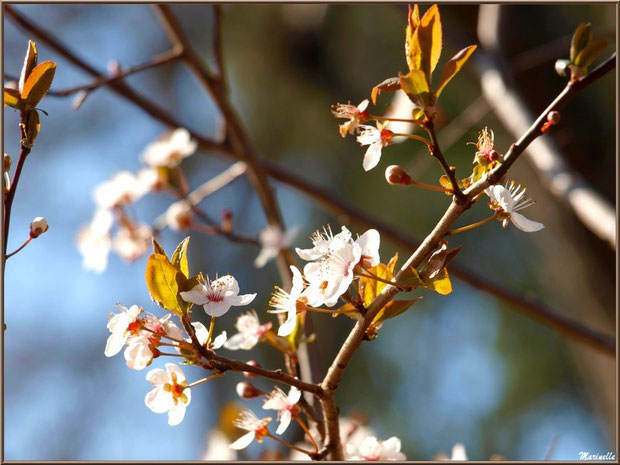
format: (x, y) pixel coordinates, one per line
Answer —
(132, 239)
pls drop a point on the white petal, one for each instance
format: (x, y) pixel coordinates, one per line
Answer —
(196, 294)
(369, 242)
(524, 224)
(285, 420)
(266, 254)
(176, 415)
(298, 283)
(114, 344)
(288, 326)
(241, 300)
(138, 354)
(294, 395)
(216, 308)
(157, 376)
(235, 342)
(243, 442)
(220, 340)
(174, 368)
(308, 254)
(158, 400)
(372, 156)
(201, 332)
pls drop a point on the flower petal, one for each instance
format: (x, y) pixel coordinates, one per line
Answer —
(372, 156)
(196, 295)
(114, 344)
(240, 300)
(176, 415)
(285, 420)
(243, 442)
(288, 326)
(216, 308)
(524, 224)
(158, 400)
(220, 340)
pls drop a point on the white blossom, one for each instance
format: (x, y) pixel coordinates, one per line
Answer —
(458, 454)
(285, 302)
(285, 405)
(272, 240)
(132, 242)
(217, 296)
(355, 115)
(123, 189)
(250, 332)
(508, 201)
(257, 429)
(94, 241)
(170, 393)
(202, 334)
(170, 150)
(139, 353)
(369, 243)
(321, 241)
(371, 449)
(122, 325)
(179, 216)
(376, 139)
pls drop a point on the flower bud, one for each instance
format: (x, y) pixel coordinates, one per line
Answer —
(227, 220)
(493, 155)
(38, 226)
(553, 117)
(7, 162)
(253, 363)
(561, 66)
(247, 390)
(395, 175)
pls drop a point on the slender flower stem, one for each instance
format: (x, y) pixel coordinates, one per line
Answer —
(471, 226)
(402, 120)
(211, 327)
(203, 380)
(305, 428)
(324, 310)
(20, 248)
(428, 186)
(412, 136)
(163, 335)
(175, 355)
(290, 446)
(167, 344)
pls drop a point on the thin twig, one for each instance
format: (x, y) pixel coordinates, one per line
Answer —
(10, 195)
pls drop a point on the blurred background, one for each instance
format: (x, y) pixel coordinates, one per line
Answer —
(463, 368)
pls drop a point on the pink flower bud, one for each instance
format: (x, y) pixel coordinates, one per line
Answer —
(38, 226)
(395, 175)
(553, 117)
(254, 363)
(247, 390)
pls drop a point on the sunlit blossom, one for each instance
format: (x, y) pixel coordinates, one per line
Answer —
(170, 394)
(250, 332)
(272, 240)
(376, 138)
(94, 241)
(179, 216)
(122, 325)
(217, 296)
(507, 201)
(371, 449)
(170, 150)
(257, 429)
(321, 242)
(355, 114)
(132, 242)
(286, 405)
(123, 189)
(287, 302)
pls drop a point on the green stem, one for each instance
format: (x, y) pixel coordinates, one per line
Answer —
(471, 226)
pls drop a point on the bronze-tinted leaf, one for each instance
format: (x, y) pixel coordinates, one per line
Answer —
(179, 258)
(12, 98)
(30, 61)
(453, 66)
(416, 87)
(33, 125)
(430, 29)
(392, 309)
(158, 249)
(389, 85)
(38, 83)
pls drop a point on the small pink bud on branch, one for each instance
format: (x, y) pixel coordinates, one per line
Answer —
(395, 176)
(38, 226)
(247, 390)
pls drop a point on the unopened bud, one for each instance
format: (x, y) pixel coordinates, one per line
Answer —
(247, 390)
(38, 226)
(7, 162)
(227, 220)
(561, 67)
(493, 155)
(395, 175)
(553, 117)
(253, 363)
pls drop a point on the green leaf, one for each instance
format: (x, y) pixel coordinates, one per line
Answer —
(416, 87)
(589, 53)
(581, 38)
(440, 283)
(179, 258)
(12, 98)
(38, 83)
(30, 62)
(453, 66)
(158, 249)
(370, 288)
(392, 309)
(164, 282)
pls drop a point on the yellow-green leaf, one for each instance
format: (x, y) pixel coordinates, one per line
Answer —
(294, 339)
(453, 66)
(33, 125)
(440, 283)
(430, 29)
(30, 61)
(158, 249)
(392, 309)
(12, 98)
(350, 311)
(416, 87)
(392, 263)
(38, 83)
(589, 53)
(581, 38)
(412, 51)
(164, 281)
(371, 288)
(179, 258)
(411, 278)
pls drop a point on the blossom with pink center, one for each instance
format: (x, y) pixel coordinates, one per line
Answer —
(250, 332)
(286, 405)
(217, 296)
(257, 429)
(179, 216)
(122, 326)
(355, 114)
(170, 394)
(321, 241)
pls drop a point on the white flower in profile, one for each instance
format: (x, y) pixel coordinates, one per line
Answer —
(132, 242)
(170, 393)
(202, 334)
(122, 325)
(286, 405)
(507, 201)
(250, 332)
(170, 150)
(179, 216)
(355, 114)
(217, 296)
(218, 447)
(94, 242)
(458, 454)
(123, 189)
(321, 242)
(330, 277)
(38, 226)
(285, 302)
(139, 353)
(371, 449)
(376, 139)
(272, 240)
(369, 242)
(257, 429)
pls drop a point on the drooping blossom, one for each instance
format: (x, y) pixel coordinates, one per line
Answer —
(139, 353)
(272, 240)
(376, 138)
(217, 296)
(355, 114)
(170, 394)
(133, 241)
(321, 241)
(507, 201)
(202, 334)
(179, 216)
(371, 449)
(250, 332)
(170, 150)
(257, 429)
(122, 326)
(94, 241)
(38, 226)
(123, 189)
(285, 302)
(286, 405)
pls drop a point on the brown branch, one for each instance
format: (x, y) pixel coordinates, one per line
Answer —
(10, 196)
(217, 43)
(334, 374)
